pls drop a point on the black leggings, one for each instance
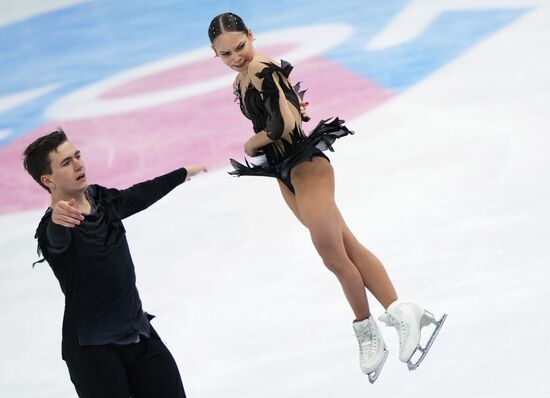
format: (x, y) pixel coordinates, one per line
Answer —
(142, 370)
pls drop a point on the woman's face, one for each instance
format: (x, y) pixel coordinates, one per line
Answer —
(235, 49)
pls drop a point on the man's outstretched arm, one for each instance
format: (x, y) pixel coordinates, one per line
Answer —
(140, 196)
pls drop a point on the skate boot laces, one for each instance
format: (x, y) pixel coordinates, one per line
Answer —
(368, 342)
(398, 324)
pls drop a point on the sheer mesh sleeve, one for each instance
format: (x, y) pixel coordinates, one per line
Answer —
(274, 84)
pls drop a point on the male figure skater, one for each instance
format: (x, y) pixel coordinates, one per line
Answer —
(108, 344)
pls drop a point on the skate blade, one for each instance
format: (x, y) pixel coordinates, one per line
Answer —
(424, 350)
(375, 373)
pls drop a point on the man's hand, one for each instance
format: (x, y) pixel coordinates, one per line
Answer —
(64, 213)
(193, 170)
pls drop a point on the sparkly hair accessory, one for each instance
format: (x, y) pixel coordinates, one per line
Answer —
(227, 22)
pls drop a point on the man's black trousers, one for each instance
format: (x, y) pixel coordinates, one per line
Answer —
(142, 370)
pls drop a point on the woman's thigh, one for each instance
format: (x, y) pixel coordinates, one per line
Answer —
(314, 185)
(290, 200)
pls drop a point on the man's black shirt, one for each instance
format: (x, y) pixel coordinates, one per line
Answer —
(93, 265)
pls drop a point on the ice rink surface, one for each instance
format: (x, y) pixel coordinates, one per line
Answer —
(446, 180)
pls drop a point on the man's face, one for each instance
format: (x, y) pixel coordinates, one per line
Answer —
(68, 172)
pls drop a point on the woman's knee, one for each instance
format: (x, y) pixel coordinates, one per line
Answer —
(334, 259)
(339, 268)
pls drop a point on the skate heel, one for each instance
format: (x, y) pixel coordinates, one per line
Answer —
(427, 318)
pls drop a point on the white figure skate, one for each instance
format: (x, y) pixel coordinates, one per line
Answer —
(409, 319)
(372, 349)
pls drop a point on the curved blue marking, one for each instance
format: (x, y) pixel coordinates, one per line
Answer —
(84, 43)
(446, 38)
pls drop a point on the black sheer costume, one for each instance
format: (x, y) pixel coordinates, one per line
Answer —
(262, 108)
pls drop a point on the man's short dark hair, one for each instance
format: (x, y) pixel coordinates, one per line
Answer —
(36, 158)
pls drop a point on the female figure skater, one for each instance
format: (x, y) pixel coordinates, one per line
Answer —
(306, 180)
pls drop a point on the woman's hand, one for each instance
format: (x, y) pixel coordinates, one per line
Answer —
(250, 147)
(253, 146)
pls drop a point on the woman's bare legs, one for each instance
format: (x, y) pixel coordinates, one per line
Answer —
(315, 207)
(373, 273)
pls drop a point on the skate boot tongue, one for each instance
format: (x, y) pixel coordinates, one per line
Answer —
(384, 318)
(392, 309)
(361, 327)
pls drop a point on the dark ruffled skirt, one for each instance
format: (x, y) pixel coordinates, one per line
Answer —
(299, 150)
